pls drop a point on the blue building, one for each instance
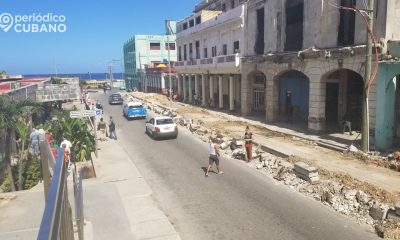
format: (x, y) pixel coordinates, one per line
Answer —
(148, 51)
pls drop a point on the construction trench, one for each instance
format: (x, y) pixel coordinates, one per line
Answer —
(365, 203)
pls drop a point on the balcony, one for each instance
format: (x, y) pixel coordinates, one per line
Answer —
(221, 64)
(232, 15)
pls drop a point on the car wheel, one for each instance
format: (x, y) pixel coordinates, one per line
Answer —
(175, 137)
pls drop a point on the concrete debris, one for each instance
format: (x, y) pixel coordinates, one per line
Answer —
(193, 127)
(391, 214)
(202, 131)
(378, 211)
(225, 145)
(350, 194)
(238, 153)
(352, 148)
(236, 144)
(397, 208)
(306, 172)
(362, 197)
(184, 121)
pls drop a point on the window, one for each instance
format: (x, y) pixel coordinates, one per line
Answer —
(198, 20)
(155, 46)
(236, 47)
(232, 4)
(164, 121)
(224, 49)
(197, 50)
(170, 45)
(190, 51)
(205, 53)
(214, 51)
(191, 23)
(259, 44)
(179, 53)
(347, 24)
(294, 25)
(185, 26)
(184, 53)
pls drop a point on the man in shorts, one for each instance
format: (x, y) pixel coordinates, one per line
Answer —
(214, 154)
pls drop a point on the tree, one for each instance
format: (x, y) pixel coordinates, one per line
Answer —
(22, 129)
(10, 112)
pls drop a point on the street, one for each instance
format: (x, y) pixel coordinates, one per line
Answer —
(240, 204)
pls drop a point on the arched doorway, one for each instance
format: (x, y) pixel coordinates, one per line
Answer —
(259, 83)
(294, 88)
(343, 99)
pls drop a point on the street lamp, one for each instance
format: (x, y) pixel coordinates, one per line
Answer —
(169, 59)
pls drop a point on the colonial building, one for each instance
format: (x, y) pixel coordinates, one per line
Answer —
(209, 49)
(157, 79)
(304, 61)
(143, 51)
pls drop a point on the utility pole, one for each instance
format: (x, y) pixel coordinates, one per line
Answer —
(169, 60)
(367, 76)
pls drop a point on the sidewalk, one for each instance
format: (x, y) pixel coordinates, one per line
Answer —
(321, 156)
(118, 203)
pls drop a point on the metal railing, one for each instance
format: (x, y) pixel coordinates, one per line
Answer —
(57, 220)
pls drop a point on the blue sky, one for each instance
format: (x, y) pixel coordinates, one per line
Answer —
(96, 31)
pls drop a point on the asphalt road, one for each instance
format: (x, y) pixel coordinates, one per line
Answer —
(240, 204)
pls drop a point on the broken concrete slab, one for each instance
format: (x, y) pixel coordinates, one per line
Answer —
(391, 214)
(378, 212)
(397, 208)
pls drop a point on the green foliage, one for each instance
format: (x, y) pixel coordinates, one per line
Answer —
(32, 173)
(6, 184)
(3, 73)
(76, 131)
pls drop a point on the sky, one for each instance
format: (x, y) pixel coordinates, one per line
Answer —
(89, 39)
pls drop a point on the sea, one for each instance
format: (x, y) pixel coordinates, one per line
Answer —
(82, 76)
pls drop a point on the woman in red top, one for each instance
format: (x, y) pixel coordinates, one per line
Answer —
(248, 137)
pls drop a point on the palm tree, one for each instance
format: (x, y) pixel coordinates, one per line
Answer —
(10, 111)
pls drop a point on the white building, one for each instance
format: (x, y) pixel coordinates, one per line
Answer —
(209, 45)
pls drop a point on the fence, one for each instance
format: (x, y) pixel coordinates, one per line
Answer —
(57, 220)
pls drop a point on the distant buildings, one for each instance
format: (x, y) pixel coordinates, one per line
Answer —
(144, 51)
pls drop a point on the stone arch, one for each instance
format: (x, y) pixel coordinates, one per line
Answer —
(292, 93)
(258, 84)
(343, 98)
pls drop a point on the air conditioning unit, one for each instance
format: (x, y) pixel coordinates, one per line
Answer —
(393, 47)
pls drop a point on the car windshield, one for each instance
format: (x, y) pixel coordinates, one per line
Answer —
(135, 107)
(164, 121)
(115, 96)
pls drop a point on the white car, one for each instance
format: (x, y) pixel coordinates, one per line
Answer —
(158, 127)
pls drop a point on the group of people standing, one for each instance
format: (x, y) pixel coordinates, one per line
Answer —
(103, 132)
(214, 151)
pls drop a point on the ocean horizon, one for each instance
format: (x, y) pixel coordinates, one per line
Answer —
(81, 76)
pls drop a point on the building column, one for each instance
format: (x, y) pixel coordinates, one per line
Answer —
(190, 89)
(211, 79)
(220, 93)
(184, 87)
(179, 78)
(196, 84)
(231, 94)
(203, 89)
(316, 116)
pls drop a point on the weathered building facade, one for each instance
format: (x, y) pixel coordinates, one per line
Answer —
(209, 50)
(304, 61)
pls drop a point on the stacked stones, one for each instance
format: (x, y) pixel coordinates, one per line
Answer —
(306, 172)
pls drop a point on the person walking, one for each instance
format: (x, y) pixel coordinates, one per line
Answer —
(111, 128)
(248, 137)
(213, 158)
(102, 128)
(34, 137)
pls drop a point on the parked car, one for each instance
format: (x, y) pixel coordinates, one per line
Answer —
(115, 98)
(158, 127)
(122, 88)
(134, 109)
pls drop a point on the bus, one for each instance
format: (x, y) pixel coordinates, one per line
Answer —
(91, 84)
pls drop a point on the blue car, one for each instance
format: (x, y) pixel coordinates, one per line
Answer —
(134, 109)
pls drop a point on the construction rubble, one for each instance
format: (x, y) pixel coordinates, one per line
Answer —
(303, 178)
